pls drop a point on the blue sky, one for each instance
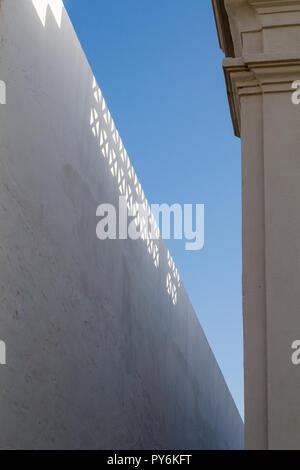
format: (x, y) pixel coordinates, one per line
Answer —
(159, 67)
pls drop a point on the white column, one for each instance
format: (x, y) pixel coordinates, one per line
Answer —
(259, 76)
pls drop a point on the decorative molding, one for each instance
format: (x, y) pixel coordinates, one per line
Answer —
(257, 75)
(223, 28)
(258, 70)
(275, 6)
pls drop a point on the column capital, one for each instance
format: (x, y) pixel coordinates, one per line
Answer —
(256, 75)
(261, 41)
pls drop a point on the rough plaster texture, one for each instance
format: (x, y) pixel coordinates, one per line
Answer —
(99, 355)
(259, 76)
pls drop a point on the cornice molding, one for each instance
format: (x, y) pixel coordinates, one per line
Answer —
(257, 75)
(263, 34)
(223, 28)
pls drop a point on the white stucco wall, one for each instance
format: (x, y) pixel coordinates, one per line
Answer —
(99, 355)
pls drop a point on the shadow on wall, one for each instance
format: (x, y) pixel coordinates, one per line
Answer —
(112, 149)
(2, 92)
